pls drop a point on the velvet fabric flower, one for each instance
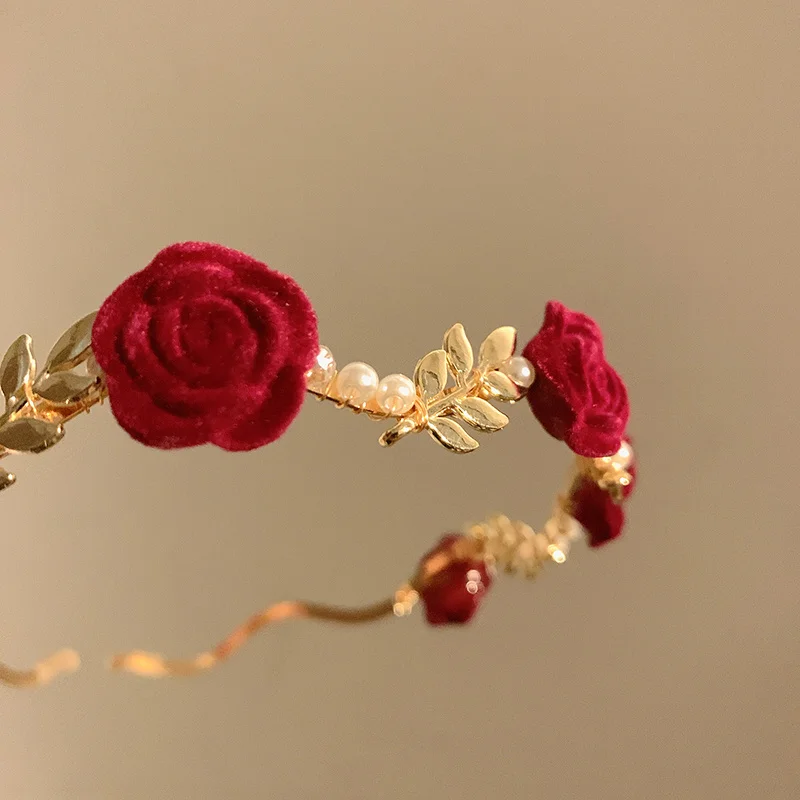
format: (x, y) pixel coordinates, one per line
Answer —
(576, 396)
(205, 345)
(602, 518)
(454, 594)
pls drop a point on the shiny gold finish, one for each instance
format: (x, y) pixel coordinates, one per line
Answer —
(610, 472)
(500, 542)
(6, 479)
(450, 390)
(61, 662)
(72, 348)
(38, 406)
(405, 599)
(437, 403)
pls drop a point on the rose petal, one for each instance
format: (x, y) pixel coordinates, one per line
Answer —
(594, 434)
(300, 316)
(269, 420)
(150, 424)
(272, 333)
(112, 317)
(168, 390)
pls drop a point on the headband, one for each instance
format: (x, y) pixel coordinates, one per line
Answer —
(206, 345)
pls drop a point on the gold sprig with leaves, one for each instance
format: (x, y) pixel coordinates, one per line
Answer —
(451, 389)
(38, 405)
(468, 400)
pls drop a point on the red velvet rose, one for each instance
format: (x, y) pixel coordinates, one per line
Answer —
(602, 518)
(576, 395)
(454, 594)
(206, 344)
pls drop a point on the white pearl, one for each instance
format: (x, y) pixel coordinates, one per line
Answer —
(320, 375)
(396, 394)
(520, 370)
(356, 383)
(623, 458)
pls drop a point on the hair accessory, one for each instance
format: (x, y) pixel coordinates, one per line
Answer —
(206, 345)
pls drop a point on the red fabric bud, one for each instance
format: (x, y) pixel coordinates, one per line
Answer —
(454, 594)
(576, 396)
(600, 516)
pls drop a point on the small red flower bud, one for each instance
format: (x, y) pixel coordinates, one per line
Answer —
(453, 594)
(577, 395)
(600, 516)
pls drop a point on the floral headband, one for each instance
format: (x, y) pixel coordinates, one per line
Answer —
(206, 345)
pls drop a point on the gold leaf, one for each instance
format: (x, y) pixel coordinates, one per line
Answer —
(73, 346)
(501, 387)
(397, 432)
(29, 435)
(17, 369)
(6, 479)
(451, 435)
(497, 347)
(481, 414)
(65, 388)
(430, 375)
(459, 350)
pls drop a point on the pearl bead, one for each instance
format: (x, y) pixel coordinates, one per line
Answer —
(520, 370)
(396, 394)
(318, 378)
(623, 458)
(356, 383)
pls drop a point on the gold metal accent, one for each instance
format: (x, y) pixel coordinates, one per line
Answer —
(6, 479)
(72, 348)
(29, 435)
(17, 370)
(459, 352)
(512, 546)
(610, 472)
(481, 414)
(437, 403)
(499, 386)
(59, 663)
(405, 598)
(498, 347)
(38, 406)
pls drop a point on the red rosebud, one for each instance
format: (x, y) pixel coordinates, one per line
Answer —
(576, 395)
(600, 516)
(206, 344)
(453, 594)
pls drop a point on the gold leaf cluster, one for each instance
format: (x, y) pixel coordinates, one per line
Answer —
(452, 389)
(37, 405)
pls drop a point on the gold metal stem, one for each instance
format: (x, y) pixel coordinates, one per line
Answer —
(154, 665)
(61, 662)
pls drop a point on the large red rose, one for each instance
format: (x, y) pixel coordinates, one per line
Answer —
(205, 344)
(577, 395)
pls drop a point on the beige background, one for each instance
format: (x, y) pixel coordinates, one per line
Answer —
(413, 164)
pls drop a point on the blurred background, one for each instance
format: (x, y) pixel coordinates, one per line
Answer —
(414, 164)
